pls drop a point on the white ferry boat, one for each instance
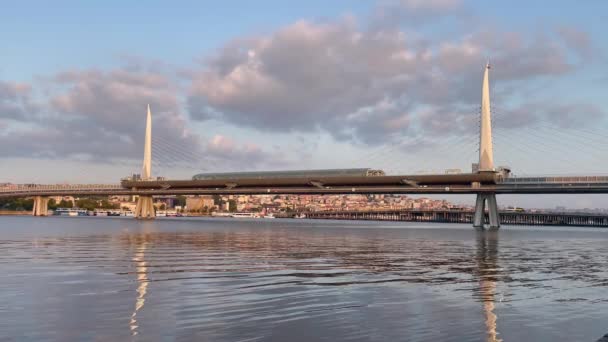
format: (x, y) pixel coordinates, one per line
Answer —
(127, 213)
(236, 215)
(99, 212)
(245, 215)
(70, 212)
(220, 214)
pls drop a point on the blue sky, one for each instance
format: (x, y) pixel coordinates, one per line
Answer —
(83, 34)
(78, 34)
(310, 84)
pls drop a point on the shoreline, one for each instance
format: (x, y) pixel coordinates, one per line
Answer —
(462, 217)
(15, 212)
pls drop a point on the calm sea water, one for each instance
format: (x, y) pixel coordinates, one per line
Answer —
(118, 279)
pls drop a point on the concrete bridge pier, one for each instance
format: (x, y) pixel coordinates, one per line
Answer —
(41, 206)
(145, 208)
(480, 210)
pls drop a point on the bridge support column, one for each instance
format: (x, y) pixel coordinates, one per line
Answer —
(41, 206)
(480, 208)
(145, 208)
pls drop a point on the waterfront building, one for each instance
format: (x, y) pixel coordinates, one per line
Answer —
(197, 203)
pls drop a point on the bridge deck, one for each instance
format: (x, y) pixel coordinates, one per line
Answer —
(328, 181)
(404, 189)
(427, 184)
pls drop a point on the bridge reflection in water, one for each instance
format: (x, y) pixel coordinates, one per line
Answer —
(354, 260)
(142, 285)
(487, 272)
(141, 242)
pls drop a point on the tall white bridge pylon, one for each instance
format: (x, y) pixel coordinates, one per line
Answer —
(486, 158)
(145, 204)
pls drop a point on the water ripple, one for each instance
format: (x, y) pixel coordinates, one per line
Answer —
(288, 280)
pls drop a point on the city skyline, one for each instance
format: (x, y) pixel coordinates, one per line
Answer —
(393, 85)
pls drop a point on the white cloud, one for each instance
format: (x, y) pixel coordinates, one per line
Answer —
(338, 77)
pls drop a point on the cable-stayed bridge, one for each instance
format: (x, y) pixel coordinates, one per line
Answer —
(486, 181)
(381, 185)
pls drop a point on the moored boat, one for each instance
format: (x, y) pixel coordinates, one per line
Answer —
(244, 215)
(70, 212)
(127, 213)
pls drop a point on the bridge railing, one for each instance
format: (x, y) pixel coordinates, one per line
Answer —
(556, 180)
(25, 188)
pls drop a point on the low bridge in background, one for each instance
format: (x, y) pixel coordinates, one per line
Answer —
(464, 216)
